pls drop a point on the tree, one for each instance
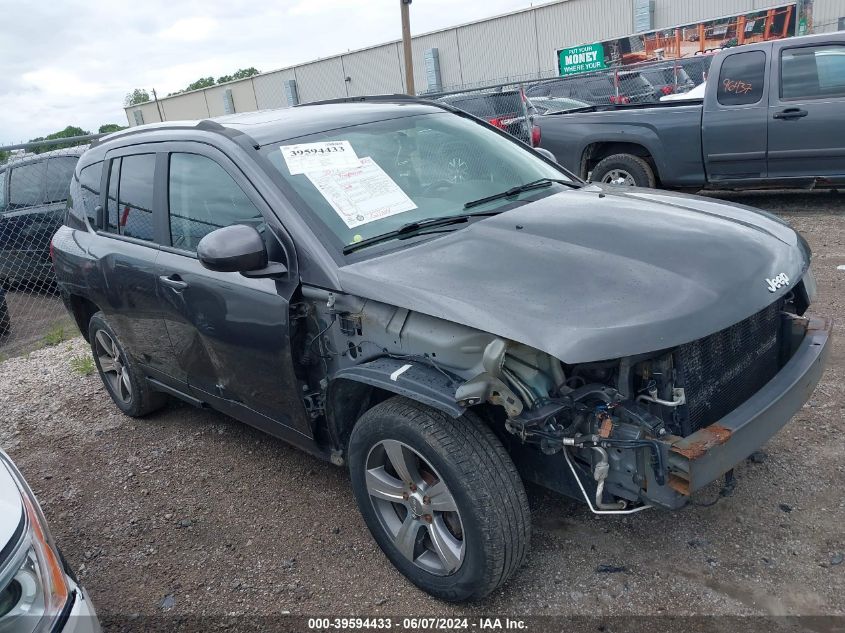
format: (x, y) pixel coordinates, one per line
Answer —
(4, 156)
(108, 128)
(136, 97)
(68, 132)
(202, 82)
(242, 73)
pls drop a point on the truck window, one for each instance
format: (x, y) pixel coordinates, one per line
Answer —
(741, 79)
(812, 72)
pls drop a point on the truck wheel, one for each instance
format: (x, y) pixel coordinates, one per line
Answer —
(441, 497)
(624, 169)
(121, 375)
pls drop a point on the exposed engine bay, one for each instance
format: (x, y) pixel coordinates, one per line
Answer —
(613, 433)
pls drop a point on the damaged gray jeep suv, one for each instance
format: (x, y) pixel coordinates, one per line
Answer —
(396, 286)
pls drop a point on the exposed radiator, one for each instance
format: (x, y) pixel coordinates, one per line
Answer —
(721, 371)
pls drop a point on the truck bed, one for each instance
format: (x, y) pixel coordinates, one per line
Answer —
(670, 132)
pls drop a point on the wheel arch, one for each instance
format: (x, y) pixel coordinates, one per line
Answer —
(354, 390)
(597, 151)
(82, 310)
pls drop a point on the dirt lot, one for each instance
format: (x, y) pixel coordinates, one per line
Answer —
(190, 512)
(35, 314)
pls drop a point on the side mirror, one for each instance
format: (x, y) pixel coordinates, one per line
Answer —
(233, 249)
(546, 153)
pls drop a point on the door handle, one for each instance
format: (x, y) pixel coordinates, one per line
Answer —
(174, 281)
(790, 113)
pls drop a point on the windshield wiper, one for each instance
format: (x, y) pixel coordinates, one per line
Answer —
(413, 228)
(515, 191)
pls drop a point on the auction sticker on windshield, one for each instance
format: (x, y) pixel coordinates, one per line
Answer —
(307, 157)
(361, 194)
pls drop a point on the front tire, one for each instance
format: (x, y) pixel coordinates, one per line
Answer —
(624, 170)
(441, 497)
(121, 375)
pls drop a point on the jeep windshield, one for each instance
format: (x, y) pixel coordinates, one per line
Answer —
(371, 180)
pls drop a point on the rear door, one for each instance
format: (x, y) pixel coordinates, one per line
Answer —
(807, 111)
(127, 251)
(230, 333)
(735, 118)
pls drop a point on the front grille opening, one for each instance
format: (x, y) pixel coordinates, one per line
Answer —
(721, 371)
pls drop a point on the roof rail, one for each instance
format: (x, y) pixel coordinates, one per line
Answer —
(206, 125)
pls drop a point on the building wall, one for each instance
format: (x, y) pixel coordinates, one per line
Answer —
(270, 89)
(517, 46)
(323, 79)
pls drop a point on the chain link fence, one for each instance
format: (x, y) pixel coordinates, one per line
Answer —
(34, 183)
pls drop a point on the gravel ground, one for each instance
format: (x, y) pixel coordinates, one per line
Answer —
(34, 314)
(191, 513)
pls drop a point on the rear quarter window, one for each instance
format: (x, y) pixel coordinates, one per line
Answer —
(89, 183)
(741, 79)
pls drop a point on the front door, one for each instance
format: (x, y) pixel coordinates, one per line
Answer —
(230, 333)
(733, 129)
(807, 112)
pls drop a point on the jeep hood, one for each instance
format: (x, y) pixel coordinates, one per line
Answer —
(594, 274)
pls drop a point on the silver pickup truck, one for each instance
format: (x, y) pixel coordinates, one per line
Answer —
(773, 114)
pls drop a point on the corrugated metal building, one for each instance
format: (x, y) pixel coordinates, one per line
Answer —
(517, 46)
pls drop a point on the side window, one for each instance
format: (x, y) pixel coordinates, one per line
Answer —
(741, 79)
(203, 197)
(2, 190)
(134, 209)
(26, 188)
(812, 72)
(59, 173)
(89, 180)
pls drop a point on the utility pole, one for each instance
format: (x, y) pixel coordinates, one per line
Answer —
(158, 106)
(406, 43)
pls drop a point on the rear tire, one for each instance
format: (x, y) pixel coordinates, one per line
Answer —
(624, 170)
(121, 375)
(473, 531)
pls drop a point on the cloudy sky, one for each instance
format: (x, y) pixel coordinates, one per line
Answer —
(70, 62)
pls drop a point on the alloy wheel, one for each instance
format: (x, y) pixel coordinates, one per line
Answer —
(113, 366)
(415, 507)
(619, 177)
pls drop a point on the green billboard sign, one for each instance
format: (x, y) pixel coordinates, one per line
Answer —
(580, 59)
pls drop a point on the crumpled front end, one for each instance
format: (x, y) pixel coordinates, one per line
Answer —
(623, 434)
(653, 429)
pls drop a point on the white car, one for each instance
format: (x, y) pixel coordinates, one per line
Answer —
(695, 93)
(37, 591)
